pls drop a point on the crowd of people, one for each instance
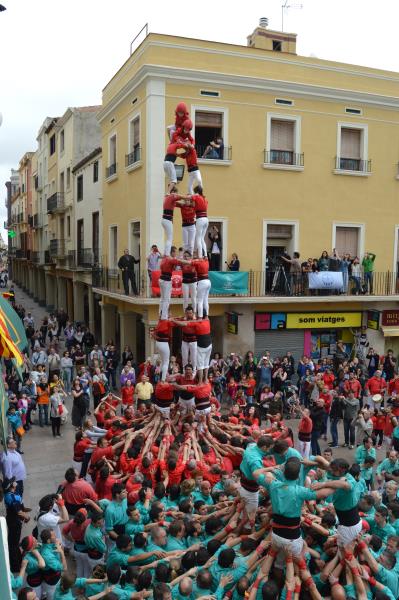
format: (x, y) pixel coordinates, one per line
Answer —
(189, 476)
(290, 275)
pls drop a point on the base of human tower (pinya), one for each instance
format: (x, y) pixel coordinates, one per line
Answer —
(183, 442)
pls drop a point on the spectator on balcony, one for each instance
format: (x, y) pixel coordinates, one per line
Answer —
(126, 265)
(234, 264)
(323, 264)
(356, 275)
(295, 272)
(368, 270)
(215, 149)
(153, 260)
(215, 249)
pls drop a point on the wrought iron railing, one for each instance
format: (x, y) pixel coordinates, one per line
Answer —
(352, 164)
(208, 152)
(133, 157)
(111, 170)
(284, 157)
(262, 283)
(55, 203)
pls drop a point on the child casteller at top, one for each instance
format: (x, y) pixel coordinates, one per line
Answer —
(182, 140)
(181, 115)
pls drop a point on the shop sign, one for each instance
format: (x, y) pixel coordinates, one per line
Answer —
(318, 320)
(390, 317)
(323, 320)
(232, 322)
(266, 321)
(373, 319)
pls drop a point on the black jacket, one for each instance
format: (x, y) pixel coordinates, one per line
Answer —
(317, 416)
(127, 262)
(336, 409)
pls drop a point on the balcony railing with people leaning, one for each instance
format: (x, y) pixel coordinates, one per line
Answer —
(57, 248)
(133, 157)
(284, 157)
(352, 164)
(211, 153)
(255, 284)
(55, 203)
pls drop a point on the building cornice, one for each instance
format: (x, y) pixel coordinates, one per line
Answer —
(229, 80)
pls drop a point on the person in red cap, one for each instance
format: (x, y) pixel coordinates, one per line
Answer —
(181, 115)
(183, 143)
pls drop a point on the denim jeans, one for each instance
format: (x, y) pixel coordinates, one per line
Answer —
(356, 280)
(314, 442)
(349, 432)
(368, 281)
(334, 431)
(111, 376)
(67, 379)
(43, 414)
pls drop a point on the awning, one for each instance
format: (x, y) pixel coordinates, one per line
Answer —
(390, 331)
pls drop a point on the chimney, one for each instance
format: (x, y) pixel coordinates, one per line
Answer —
(276, 41)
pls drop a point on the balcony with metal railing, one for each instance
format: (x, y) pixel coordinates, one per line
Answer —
(352, 166)
(111, 171)
(208, 153)
(37, 221)
(133, 158)
(57, 248)
(56, 203)
(264, 284)
(284, 159)
(84, 258)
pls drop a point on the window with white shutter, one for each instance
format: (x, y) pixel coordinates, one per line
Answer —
(347, 241)
(282, 141)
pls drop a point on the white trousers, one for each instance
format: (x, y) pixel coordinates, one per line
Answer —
(203, 357)
(251, 499)
(186, 406)
(166, 293)
(194, 179)
(168, 230)
(190, 295)
(346, 535)
(303, 448)
(201, 227)
(189, 353)
(49, 590)
(165, 412)
(163, 350)
(203, 288)
(82, 565)
(188, 238)
(281, 543)
(170, 171)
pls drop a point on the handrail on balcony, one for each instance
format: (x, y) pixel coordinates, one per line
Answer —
(55, 202)
(284, 157)
(207, 152)
(111, 170)
(352, 164)
(133, 157)
(57, 248)
(264, 284)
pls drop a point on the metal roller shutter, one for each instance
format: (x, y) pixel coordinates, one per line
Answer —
(280, 342)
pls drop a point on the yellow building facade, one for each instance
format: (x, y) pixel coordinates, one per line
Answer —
(310, 163)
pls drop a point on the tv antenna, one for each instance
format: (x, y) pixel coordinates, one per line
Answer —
(287, 6)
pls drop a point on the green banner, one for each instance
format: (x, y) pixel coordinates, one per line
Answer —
(229, 283)
(14, 324)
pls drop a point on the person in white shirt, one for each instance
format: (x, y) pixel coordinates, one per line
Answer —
(52, 513)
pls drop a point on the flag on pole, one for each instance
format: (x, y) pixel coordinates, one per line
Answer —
(13, 339)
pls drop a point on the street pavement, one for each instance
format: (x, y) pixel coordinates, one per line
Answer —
(47, 458)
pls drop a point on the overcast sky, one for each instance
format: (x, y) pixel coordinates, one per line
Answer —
(55, 54)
